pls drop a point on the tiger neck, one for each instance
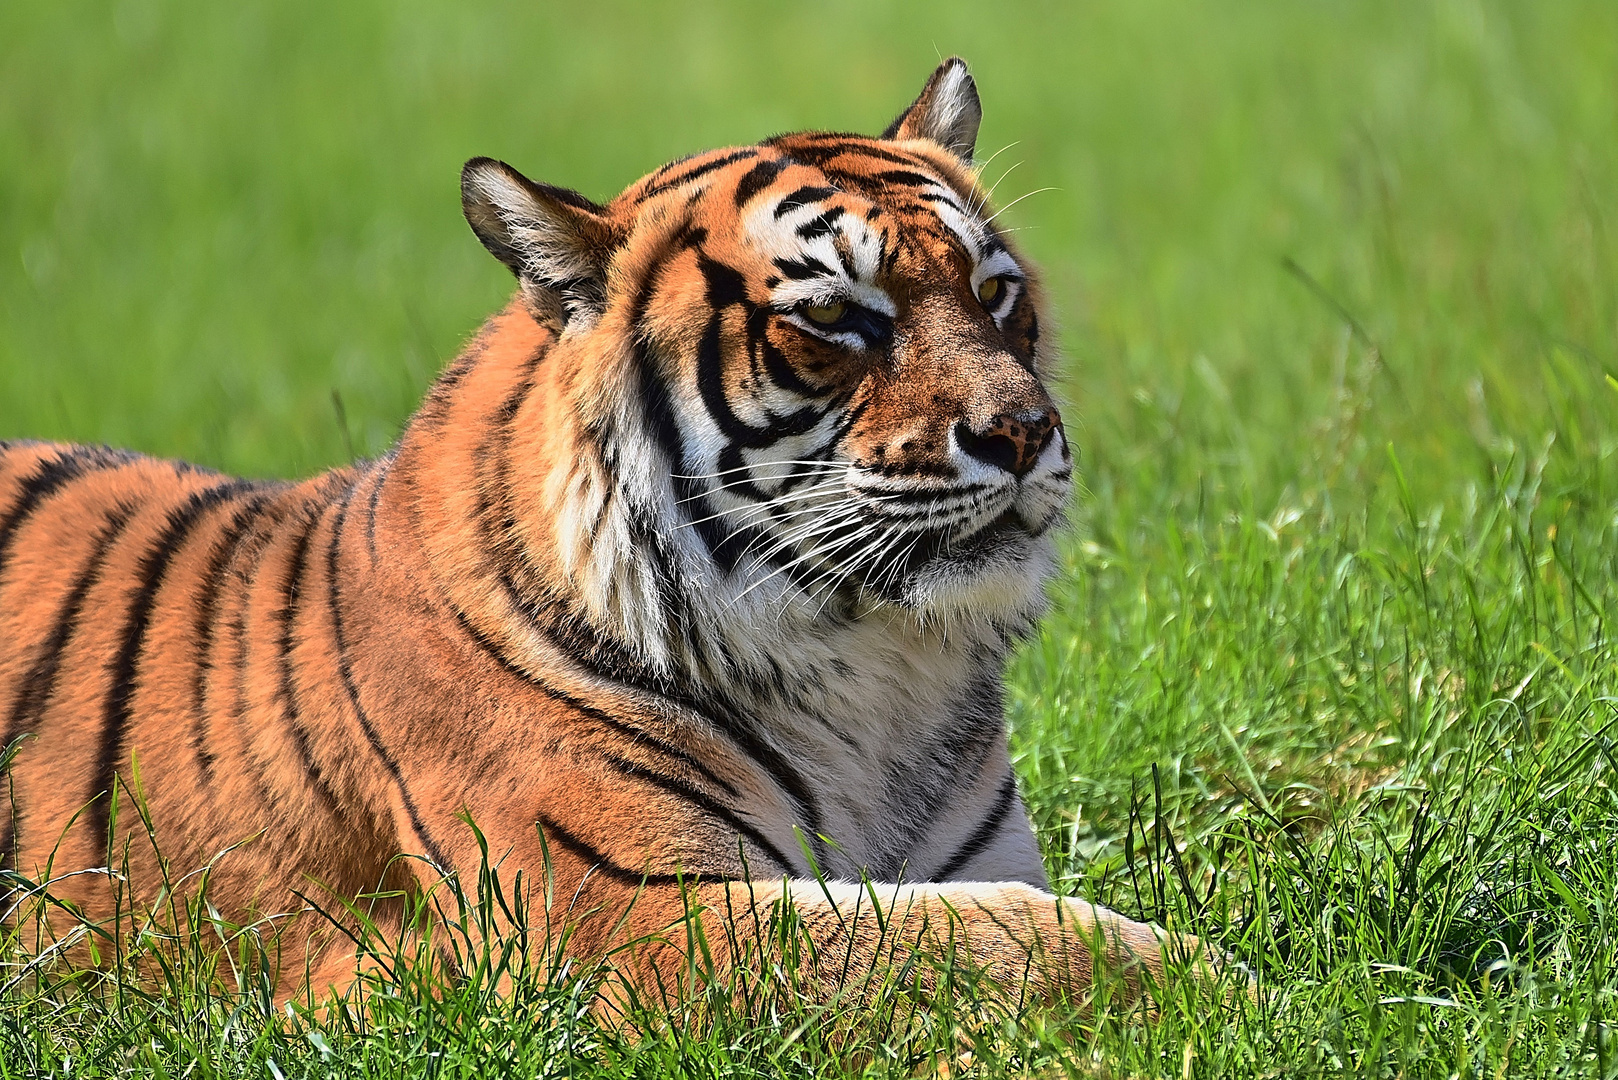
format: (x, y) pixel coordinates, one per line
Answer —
(549, 523)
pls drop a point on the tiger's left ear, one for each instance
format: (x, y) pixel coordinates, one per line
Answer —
(947, 112)
(556, 241)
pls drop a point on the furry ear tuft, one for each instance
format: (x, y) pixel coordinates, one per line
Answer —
(556, 241)
(948, 111)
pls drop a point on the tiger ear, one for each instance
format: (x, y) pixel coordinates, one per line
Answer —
(947, 112)
(556, 241)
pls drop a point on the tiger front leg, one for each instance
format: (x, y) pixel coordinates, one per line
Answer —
(835, 940)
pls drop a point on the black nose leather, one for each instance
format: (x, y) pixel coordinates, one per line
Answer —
(1012, 442)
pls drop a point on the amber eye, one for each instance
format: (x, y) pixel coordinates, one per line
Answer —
(989, 291)
(825, 314)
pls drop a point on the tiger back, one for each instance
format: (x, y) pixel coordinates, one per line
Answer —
(694, 574)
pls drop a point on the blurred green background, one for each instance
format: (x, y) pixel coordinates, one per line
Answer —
(1280, 232)
(1367, 695)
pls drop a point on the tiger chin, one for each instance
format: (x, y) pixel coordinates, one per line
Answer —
(691, 582)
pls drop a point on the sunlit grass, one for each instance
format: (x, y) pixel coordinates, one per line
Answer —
(1329, 676)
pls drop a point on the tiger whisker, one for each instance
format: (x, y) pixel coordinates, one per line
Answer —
(766, 507)
(823, 507)
(842, 507)
(989, 195)
(896, 566)
(798, 533)
(827, 465)
(984, 164)
(841, 572)
(1014, 202)
(743, 482)
(784, 567)
(882, 541)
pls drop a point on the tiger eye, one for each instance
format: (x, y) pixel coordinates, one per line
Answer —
(989, 291)
(825, 314)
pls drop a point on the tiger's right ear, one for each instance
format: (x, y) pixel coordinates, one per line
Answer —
(556, 241)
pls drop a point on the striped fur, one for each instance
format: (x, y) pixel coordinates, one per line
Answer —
(715, 538)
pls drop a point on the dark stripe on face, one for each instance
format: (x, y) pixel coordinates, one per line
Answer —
(597, 862)
(207, 610)
(804, 268)
(724, 546)
(802, 197)
(115, 713)
(50, 477)
(758, 178)
(709, 806)
(821, 224)
(782, 373)
(946, 200)
(904, 178)
(694, 172)
(984, 834)
(345, 671)
(711, 385)
(40, 682)
(291, 591)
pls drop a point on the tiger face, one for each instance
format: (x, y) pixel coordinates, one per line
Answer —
(834, 358)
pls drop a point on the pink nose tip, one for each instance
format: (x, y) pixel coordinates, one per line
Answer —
(1011, 441)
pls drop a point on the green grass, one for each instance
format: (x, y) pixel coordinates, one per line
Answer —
(1329, 675)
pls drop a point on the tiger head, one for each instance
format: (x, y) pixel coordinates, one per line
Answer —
(808, 376)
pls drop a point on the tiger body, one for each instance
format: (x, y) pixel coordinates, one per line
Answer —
(697, 569)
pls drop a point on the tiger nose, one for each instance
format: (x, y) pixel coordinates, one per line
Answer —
(1011, 441)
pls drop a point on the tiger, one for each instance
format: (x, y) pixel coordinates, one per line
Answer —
(690, 584)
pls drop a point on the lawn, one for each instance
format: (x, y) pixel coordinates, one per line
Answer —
(1328, 675)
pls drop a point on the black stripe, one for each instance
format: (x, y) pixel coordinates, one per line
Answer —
(50, 477)
(694, 172)
(818, 153)
(207, 607)
(805, 268)
(579, 849)
(802, 197)
(763, 755)
(40, 682)
(983, 834)
(633, 733)
(248, 575)
(949, 201)
(550, 617)
(153, 567)
(710, 806)
(291, 591)
(907, 178)
(758, 178)
(639, 737)
(821, 225)
(345, 671)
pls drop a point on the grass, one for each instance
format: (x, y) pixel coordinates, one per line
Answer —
(1329, 675)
